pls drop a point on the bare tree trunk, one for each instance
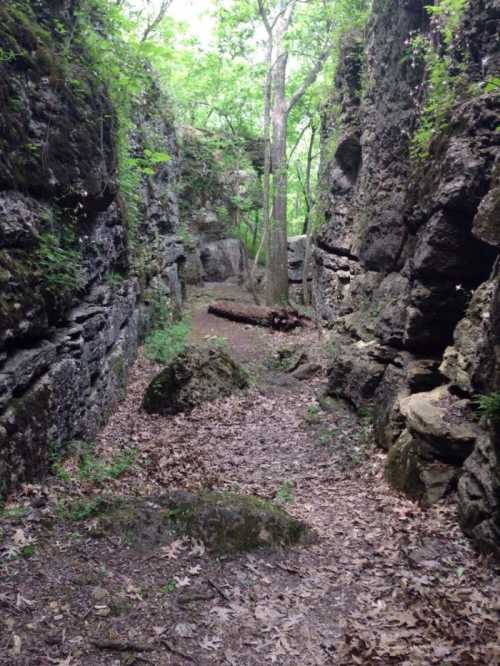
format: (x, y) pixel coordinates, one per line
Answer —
(277, 258)
(266, 179)
(153, 21)
(306, 286)
(307, 184)
(255, 231)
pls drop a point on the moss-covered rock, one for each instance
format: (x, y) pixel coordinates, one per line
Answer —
(197, 375)
(411, 470)
(225, 522)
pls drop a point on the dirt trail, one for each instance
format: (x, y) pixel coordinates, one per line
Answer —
(384, 583)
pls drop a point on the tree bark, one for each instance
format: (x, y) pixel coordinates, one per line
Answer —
(277, 257)
(266, 178)
(281, 319)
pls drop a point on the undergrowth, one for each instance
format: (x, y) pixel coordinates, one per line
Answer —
(167, 338)
(489, 406)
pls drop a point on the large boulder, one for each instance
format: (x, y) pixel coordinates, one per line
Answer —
(356, 369)
(197, 375)
(426, 460)
(414, 472)
(468, 364)
(404, 376)
(444, 422)
(224, 259)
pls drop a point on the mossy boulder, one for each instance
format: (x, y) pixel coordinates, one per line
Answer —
(226, 523)
(197, 375)
(411, 470)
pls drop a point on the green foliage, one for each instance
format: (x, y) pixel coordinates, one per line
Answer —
(163, 345)
(58, 262)
(114, 279)
(161, 314)
(59, 471)
(7, 55)
(447, 13)
(169, 587)
(98, 471)
(168, 337)
(441, 83)
(489, 406)
(284, 493)
(492, 84)
(119, 60)
(27, 551)
(325, 437)
(14, 513)
(83, 509)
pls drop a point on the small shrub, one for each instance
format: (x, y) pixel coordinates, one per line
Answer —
(83, 509)
(489, 406)
(312, 410)
(27, 551)
(325, 437)
(285, 492)
(169, 587)
(14, 513)
(164, 345)
(97, 471)
(115, 280)
(59, 264)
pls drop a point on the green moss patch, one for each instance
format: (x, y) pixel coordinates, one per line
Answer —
(226, 523)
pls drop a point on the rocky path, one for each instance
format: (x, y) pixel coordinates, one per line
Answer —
(383, 582)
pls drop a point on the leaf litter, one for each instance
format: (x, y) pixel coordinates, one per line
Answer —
(385, 582)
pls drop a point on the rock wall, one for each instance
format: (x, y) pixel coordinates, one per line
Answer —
(75, 277)
(406, 264)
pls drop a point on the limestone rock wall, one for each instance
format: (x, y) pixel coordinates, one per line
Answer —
(406, 263)
(75, 278)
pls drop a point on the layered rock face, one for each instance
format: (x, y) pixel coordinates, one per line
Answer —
(406, 266)
(75, 278)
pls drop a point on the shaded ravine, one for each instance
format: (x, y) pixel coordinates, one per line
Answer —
(383, 583)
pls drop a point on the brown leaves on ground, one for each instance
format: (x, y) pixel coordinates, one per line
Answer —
(386, 582)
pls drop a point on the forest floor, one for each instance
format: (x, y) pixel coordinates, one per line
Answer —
(384, 582)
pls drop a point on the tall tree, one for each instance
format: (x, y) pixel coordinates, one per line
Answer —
(278, 19)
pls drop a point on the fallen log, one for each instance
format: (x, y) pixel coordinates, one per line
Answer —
(279, 319)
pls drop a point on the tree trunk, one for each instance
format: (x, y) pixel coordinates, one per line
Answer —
(281, 319)
(266, 178)
(307, 184)
(255, 231)
(277, 259)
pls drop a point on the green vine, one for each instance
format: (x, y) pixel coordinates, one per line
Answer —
(442, 81)
(59, 263)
